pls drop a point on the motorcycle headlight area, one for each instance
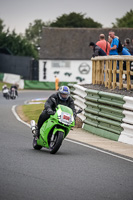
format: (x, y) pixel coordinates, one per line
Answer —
(66, 118)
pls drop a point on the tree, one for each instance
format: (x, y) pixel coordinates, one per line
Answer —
(16, 44)
(75, 20)
(125, 21)
(1, 26)
(33, 32)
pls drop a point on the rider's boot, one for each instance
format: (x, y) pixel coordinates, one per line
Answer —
(37, 131)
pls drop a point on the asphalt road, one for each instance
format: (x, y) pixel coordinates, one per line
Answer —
(75, 172)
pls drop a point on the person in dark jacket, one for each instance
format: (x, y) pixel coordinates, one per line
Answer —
(128, 46)
(14, 87)
(61, 97)
(97, 51)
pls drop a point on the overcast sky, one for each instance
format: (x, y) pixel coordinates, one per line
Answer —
(17, 14)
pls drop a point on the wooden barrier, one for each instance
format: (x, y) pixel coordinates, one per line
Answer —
(105, 70)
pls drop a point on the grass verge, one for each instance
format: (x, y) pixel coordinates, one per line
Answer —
(30, 112)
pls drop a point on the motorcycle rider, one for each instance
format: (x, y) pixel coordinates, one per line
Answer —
(5, 91)
(61, 97)
(16, 89)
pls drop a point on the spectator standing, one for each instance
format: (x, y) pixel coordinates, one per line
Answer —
(132, 42)
(113, 49)
(109, 40)
(56, 83)
(103, 44)
(124, 50)
(114, 44)
(128, 46)
(97, 51)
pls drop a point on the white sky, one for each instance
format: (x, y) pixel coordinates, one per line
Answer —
(17, 14)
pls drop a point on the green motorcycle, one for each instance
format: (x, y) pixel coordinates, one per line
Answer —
(55, 129)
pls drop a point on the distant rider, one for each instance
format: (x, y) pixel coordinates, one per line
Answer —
(5, 90)
(61, 97)
(16, 89)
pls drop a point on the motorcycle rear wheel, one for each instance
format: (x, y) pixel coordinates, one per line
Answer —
(55, 145)
(35, 145)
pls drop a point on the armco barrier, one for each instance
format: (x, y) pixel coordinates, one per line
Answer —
(105, 114)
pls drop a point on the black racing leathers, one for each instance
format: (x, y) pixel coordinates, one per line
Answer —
(50, 106)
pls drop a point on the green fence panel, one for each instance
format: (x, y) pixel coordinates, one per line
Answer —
(101, 132)
(1, 76)
(33, 84)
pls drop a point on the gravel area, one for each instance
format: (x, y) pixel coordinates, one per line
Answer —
(123, 91)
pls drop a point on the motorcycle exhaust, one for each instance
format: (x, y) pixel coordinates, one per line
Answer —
(33, 126)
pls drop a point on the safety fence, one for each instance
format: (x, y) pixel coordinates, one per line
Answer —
(112, 71)
(105, 114)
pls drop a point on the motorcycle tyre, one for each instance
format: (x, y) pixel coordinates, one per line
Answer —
(35, 145)
(58, 143)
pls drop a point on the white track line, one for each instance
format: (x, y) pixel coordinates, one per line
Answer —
(102, 151)
(17, 117)
(69, 140)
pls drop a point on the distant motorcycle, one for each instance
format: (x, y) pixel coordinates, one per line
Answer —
(13, 93)
(6, 93)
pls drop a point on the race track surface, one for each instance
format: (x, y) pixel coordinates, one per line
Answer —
(75, 172)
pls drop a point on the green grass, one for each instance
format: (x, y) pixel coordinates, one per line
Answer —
(32, 111)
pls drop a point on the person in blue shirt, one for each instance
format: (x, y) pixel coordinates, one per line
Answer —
(114, 44)
(113, 49)
(128, 46)
(125, 52)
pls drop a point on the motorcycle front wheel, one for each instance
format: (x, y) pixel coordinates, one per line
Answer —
(56, 142)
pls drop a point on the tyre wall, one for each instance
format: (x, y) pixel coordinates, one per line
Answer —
(105, 114)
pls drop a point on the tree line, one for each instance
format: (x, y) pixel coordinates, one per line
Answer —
(28, 44)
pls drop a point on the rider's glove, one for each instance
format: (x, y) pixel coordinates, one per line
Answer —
(50, 111)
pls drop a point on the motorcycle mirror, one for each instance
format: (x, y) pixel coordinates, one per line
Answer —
(79, 111)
